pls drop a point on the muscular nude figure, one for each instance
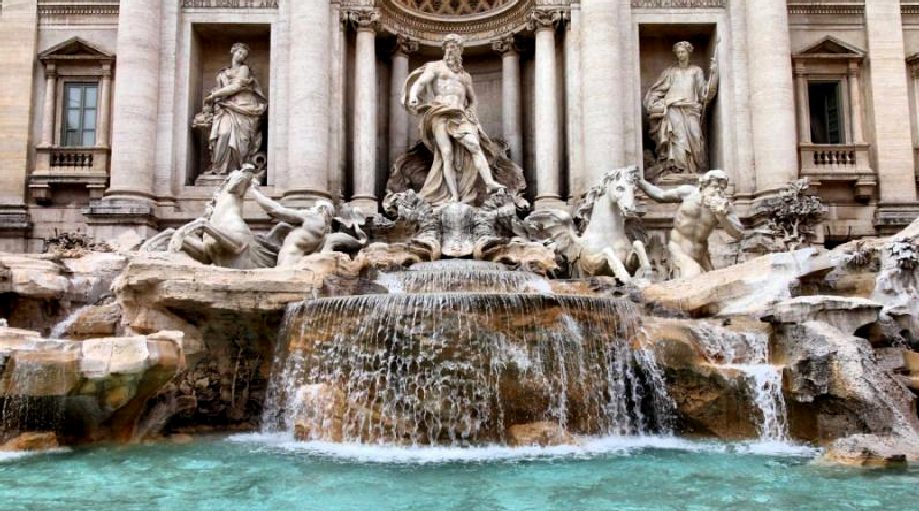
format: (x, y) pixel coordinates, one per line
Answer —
(702, 208)
(311, 227)
(442, 92)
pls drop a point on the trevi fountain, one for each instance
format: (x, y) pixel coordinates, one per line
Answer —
(468, 342)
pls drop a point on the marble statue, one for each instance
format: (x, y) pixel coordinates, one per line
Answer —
(604, 246)
(701, 209)
(676, 106)
(467, 164)
(222, 237)
(234, 111)
(310, 229)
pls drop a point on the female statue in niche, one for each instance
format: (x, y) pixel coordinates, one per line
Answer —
(238, 105)
(676, 106)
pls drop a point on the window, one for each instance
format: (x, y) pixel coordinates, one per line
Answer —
(826, 112)
(79, 115)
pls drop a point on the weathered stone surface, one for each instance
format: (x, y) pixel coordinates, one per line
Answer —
(32, 276)
(846, 314)
(101, 385)
(748, 288)
(711, 400)
(835, 387)
(94, 321)
(542, 434)
(31, 442)
(872, 451)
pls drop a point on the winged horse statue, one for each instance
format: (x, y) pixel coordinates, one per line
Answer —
(604, 247)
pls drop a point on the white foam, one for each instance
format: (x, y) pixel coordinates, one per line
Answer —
(588, 448)
(7, 457)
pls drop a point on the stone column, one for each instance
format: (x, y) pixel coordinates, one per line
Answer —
(18, 38)
(772, 100)
(105, 87)
(308, 108)
(137, 97)
(545, 108)
(804, 121)
(889, 97)
(510, 97)
(365, 111)
(855, 102)
(602, 89)
(574, 113)
(398, 116)
(47, 114)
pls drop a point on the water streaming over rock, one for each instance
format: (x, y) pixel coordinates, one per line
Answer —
(33, 396)
(748, 352)
(461, 368)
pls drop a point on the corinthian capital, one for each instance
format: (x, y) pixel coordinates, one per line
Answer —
(505, 45)
(405, 45)
(542, 19)
(363, 19)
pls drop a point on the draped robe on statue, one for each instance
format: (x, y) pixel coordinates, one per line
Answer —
(676, 104)
(469, 185)
(235, 135)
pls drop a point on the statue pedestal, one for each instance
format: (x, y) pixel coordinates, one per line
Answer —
(673, 179)
(212, 180)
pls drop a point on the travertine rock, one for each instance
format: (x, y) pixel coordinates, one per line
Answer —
(872, 451)
(31, 442)
(748, 288)
(846, 314)
(542, 434)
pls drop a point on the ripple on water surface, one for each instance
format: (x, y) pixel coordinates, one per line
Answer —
(270, 472)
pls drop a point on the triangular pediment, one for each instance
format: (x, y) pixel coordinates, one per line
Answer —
(831, 47)
(75, 48)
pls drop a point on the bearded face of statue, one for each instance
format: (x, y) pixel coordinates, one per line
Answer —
(453, 56)
(714, 194)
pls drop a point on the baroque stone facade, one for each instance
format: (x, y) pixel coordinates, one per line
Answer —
(97, 115)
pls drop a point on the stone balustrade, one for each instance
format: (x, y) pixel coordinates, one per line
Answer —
(839, 162)
(87, 166)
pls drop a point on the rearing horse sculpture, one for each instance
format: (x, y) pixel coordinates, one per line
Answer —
(221, 237)
(604, 247)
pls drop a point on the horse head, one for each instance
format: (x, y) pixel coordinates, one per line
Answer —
(620, 185)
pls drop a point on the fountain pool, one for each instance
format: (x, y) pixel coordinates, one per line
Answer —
(269, 472)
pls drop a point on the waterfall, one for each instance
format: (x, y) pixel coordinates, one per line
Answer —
(421, 366)
(748, 352)
(33, 398)
(61, 328)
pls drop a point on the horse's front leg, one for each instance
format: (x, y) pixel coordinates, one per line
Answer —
(644, 262)
(182, 236)
(228, 242)
(616, 265)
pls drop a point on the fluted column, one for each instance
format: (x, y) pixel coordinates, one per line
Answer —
(137, 96)
(510, 97)
(602, 90)
(889, 97)
(309, 108)
(398, 116)
(47, 115)
(105, 105)
(574, 109)
(365, 111)
(545, 109)
(855, 102)
(804, 121)
(772, 100)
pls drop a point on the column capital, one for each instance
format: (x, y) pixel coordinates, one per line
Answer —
(507, 44)
(363, 20)
(50, 70)
(405, 46)
(544, 19)
(107, 70)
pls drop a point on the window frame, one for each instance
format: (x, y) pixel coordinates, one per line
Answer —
(64, 109)
(843, 107)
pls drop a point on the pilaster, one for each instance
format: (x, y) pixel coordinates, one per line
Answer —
(544, 23)
(366, 23)
(510, 96)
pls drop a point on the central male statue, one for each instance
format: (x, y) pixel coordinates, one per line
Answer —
(702, 208)
(441, 91)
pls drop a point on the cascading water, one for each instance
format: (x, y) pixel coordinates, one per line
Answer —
(460, 368)
(33, 394)
(748, 352)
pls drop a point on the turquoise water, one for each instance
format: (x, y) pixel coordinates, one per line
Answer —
(258, 472)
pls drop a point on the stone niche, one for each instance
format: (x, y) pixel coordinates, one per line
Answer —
(655, 55)
(210, 52)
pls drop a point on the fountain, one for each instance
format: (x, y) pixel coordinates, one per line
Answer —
(459, 355)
